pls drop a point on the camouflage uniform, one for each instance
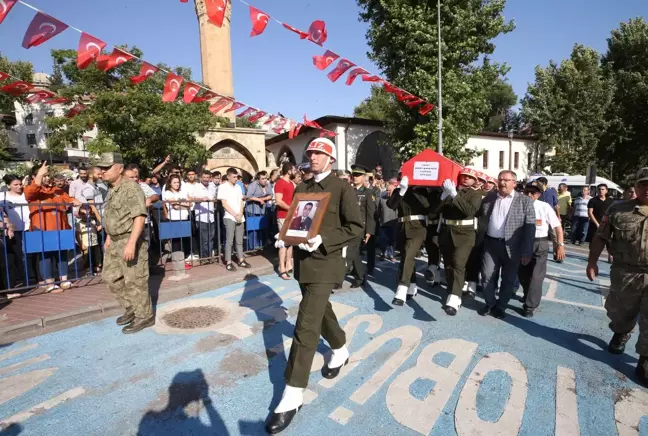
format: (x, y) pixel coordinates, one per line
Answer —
(127, 280)
(625, 227)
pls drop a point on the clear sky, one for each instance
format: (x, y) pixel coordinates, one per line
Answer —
(274, 71)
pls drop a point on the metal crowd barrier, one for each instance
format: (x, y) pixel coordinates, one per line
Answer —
(58, 255)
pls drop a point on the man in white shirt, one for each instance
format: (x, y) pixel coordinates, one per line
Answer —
(77, 185)
(231, 197)
(204, 195)
(532, 274)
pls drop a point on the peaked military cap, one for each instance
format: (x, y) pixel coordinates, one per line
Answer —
(359, 170)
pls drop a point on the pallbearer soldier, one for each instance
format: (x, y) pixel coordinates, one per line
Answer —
(367, 205)
(319, 265)
(413, 206)
(458, 231)
(473, 267)
(432, 275)
(126, 269)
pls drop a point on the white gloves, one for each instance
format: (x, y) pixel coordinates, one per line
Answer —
(312, 245)
(449, 189)
(279, 243)
(403, 185)
(444, 195)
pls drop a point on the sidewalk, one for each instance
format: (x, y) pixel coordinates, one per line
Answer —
(35, 315)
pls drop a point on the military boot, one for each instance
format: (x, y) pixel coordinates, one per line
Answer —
(642, 370)
(618, 342)
(126, 318)
(139, 324)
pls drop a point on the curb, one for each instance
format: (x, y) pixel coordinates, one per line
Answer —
(49, 324)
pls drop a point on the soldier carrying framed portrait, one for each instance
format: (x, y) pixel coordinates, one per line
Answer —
(304, 217)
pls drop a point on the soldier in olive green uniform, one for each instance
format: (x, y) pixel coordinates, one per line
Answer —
(432, 275)
(473, 267)
(458, 232)
(126, 269)
(367, 205)
(413, 206)
(319, 265)
(625, 227)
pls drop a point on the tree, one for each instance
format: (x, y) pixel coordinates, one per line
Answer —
(566, 107)
(402, 36)
(379, 106)
(501, 99)
(5, 153)
(21, 70)
(626, 61)
(129, 117)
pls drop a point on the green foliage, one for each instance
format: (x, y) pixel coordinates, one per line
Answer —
(129, 117)
(380, 105)
(567, 107)
(501, 99)
(5, 154)
(19, 69)
(246, 123)
(402, 36)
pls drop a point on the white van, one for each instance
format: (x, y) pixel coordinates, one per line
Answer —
(575, 184)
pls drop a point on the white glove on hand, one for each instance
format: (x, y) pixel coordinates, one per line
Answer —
(312, 245)
(403, 185)
(444, 195)
(279, 243)
(449, 188)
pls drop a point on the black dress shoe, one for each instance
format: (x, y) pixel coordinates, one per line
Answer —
(358, 284)
(139, 324)
(278, 422)
(486, 310)
(498, 313)
(450, 310)
(410, 297)
(126, 318)
(330, 373)
(527, 313)
(397, 302)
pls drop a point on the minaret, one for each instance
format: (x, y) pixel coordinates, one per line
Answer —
(216, 52)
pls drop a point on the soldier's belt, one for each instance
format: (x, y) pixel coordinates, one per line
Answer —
(459, 222)
(412, 218)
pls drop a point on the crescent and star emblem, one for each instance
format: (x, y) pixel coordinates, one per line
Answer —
(261, 16)
(329, 60)
(149, 72)
(120, 60)
(4, 7)
(93, 45)
(49, 25)
(175, 81)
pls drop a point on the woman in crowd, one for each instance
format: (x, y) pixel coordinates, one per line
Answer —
(178, 211)
(14, 206)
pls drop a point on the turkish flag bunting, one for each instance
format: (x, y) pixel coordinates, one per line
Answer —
(297, 129)
(236, 106)
(40, 95)
(371, 79)
(417, 101)
(216, 11)
(190, 91)
(89, 49)
(5, 7)
(57, 101)
(207, 95)
(75, 110)
(341, 68)
(184, 1)
(259, 21)
(246, 112)
(256, 117)
(324, 61)
(146, 71)
(42, 28)
(4, 76)
(279, 128)
(426, 109)
(113, 60)
(355, 73)
(309, 123)
(317, 32)
(302, 35)
(171, 87)
(291, 130)
(219, 104)
(270, 119)
(17, 88)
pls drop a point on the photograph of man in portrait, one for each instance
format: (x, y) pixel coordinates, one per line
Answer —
(301, 223)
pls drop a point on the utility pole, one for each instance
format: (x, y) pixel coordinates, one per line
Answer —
(612, 171)
(439, 97)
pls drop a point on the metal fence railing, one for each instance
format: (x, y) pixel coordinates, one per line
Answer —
(53, 245)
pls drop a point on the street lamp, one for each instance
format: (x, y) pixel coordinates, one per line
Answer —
(439, 96)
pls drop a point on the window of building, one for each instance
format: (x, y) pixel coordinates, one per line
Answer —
(530, 161)
(501, 160)
(29, 120)
(31, 139)
(516, 160)
(485, 160)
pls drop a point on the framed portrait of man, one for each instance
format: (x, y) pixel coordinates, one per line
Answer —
(304, 217)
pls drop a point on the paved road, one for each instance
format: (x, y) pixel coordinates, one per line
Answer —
(414, 370)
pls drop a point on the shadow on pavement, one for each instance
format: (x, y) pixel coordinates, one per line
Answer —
(12, 430)
(188, 397)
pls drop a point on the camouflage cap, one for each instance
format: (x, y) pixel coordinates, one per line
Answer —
(107, 160)
(642, 174)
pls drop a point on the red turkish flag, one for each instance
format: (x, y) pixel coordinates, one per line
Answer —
(291, 129)
(414, 102)
(246, 112)
(56, 100)
(259, 21)
(324, 61)
(75, 110)
(190, 91)
(317, 32)
(171, 87)
(341, 68)
(5, 7)
(236, 106)
(40, 95)
(113, 60)
(4, 76)
(297, 129)
(371, 79)
(256, 117)
(216, 11)
(309, 123)
(207, 95)
(270, 119)
(302, 35)
(355, 73)
(17, 88)
(41, 29)
(279, 128)
(89, 49)
(146, 71)
(219, 105)
(426, 109)
(184, 1)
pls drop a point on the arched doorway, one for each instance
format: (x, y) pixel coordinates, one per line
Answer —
(286, 153)
(375, 150)
(229, 153)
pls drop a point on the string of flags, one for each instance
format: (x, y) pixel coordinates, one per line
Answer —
(90, 49)
(318, 34)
